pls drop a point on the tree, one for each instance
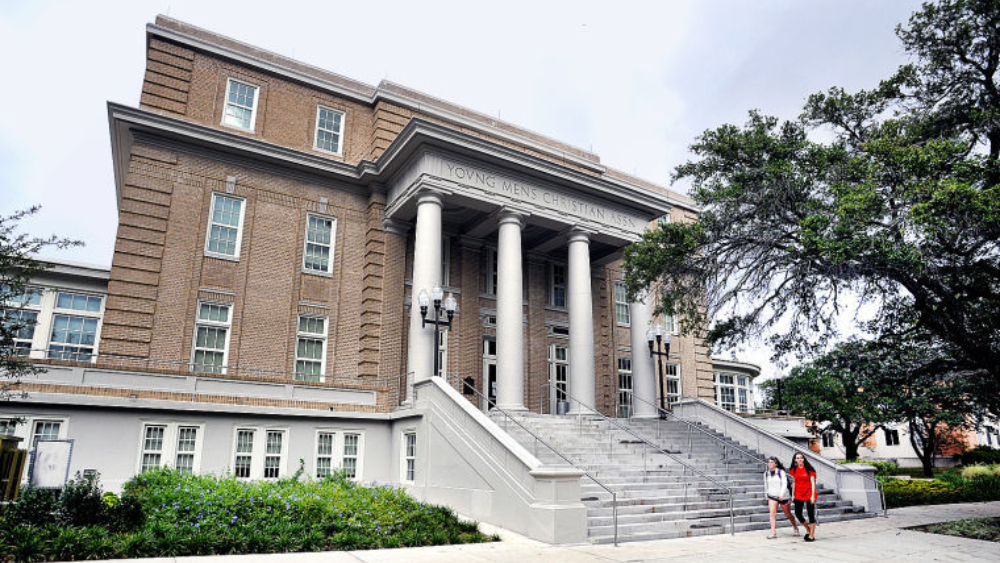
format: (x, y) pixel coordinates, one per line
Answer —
(844, 391)
(901, 206)
(17, 267)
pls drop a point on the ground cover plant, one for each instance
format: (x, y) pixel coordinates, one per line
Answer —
(972, 484)
(973, 528)
(167, 514)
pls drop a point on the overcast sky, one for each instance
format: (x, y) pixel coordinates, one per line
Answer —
(634, 82)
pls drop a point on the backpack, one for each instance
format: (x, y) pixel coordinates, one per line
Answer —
(789, 482)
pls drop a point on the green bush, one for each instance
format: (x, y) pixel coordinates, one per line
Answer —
(167, 514)
(900, 493)
(980, 470)
(34, 507)
(882, 468)
(984, 455)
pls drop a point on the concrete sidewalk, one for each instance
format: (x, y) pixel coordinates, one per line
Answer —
(871, 539)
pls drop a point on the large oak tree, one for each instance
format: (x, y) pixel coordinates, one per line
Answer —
(889, 195)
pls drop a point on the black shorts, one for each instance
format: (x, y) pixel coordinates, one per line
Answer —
(780, 501)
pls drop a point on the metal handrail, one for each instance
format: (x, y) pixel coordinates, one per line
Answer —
(694, 426)
(647, 443)
(879, 486)
(508, 416)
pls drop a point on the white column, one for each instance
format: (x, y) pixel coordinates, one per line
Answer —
(581, 324)
(426, 274)
(643, 369)
(510, 331)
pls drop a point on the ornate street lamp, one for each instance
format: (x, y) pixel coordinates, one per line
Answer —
(450, 307)
(655, 334)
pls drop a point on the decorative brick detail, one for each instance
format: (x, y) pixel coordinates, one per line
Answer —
(371, 294)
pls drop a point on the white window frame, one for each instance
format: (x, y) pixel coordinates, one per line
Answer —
(239, 227)
(891, 437)
(253, 109)
(333, 245)
(324, 338)
(740, 382)
(406, 460)
(25, 306)
(445, 261)
(26, 429)
(491, 271)
(625, 403)
(170, 451)
(442, 353)
(228, 326)
(623, 315)
(259, 452)
(340, 133)
(669, 377)
(85, 314)
(337, 453)
(553, 285)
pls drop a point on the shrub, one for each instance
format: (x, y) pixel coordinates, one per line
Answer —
(882, 468)
(957, 489)
(34, 507)
(980, 470)
(81, 502)
(981, 455)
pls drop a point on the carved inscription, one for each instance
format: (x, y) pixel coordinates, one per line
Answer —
(543, 197)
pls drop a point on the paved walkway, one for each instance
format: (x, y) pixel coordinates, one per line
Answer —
(871, 539)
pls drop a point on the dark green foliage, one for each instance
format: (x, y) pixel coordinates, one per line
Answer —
(34, 507)
(882, 468)
(900, 493)
(167, 514)
(896, 205)
(981, 454)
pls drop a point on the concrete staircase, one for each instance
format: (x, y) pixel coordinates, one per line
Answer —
(658, 497)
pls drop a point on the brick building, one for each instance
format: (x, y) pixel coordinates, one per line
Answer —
(276, 221)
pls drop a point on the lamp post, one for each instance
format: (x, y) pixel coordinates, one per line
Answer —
(655, 334)
(450, 307)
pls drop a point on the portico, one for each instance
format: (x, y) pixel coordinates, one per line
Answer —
(517, 220)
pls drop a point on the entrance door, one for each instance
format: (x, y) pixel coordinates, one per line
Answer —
(558, 376)
(490, 371)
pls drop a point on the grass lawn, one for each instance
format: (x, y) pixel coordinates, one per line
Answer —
(973, 528)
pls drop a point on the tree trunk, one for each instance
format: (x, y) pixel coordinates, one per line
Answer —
(851, 443)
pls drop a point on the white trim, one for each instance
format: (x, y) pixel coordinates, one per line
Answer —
(619, 284)
(405, 457)
(239, 227)
(228, 326)
(340, 133)
(169, 451)
(253, 108)
(258, 451)
(333, 244)
(323, 338)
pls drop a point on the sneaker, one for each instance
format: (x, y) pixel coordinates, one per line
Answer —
(807, 538)
(772, 536)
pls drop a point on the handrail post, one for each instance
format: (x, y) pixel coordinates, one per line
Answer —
(614, 514)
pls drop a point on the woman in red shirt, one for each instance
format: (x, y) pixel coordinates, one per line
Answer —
(805, 492)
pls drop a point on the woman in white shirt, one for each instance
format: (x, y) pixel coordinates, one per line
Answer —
(778, 494)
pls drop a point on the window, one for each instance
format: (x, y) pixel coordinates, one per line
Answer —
(329, 130)
(442, 352)
(31, 296)
(45, 430)
(225, 226)
(324, 453)
(273, 454)
(241, 105)
(445, 262)
(622, 314)
(152, 447)
(8, 425)
(557, 285)
(79, 302)
(318, 255)
(492, 271)
(211, 338)
(260, 453)
(73, 338)
(672, 373)
(891, 437)
(663, 220)
(558, 375)
(624, 387)
(828, 439)
(733, 391)
(175, 445)
(25, 322)
(410, 457)
(310, 349)
(988, 430)
(350, 459)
